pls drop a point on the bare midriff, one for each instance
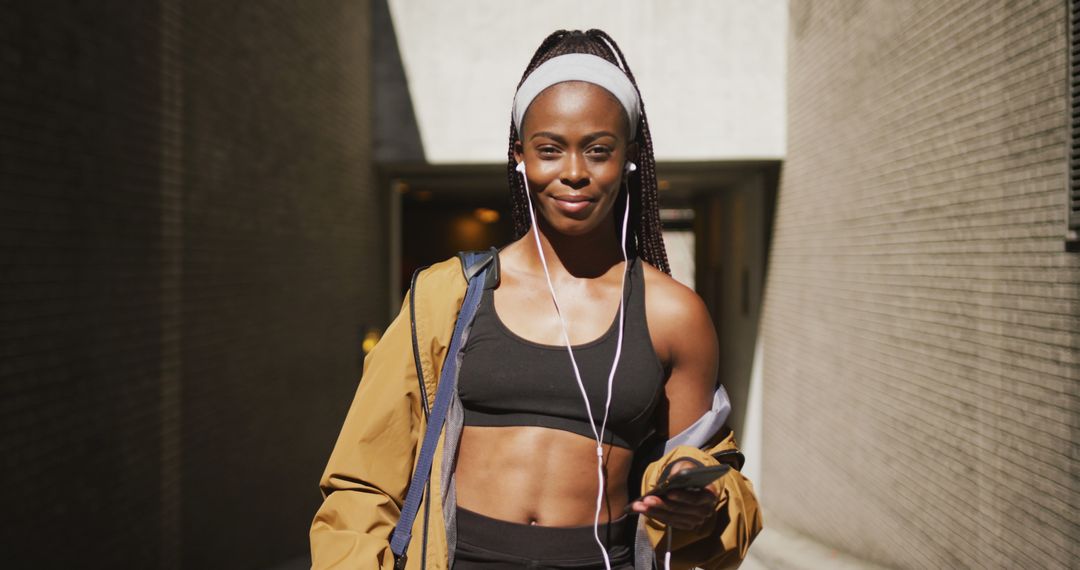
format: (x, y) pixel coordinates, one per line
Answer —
(537, 475)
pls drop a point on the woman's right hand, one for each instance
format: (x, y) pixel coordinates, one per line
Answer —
(681, 508)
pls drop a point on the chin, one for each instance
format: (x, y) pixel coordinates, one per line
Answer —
(571, 227)
(574, 224)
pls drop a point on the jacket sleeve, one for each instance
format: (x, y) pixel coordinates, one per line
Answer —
(725, 539)
(366, 478)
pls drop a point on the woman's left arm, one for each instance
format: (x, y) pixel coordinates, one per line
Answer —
(713, 527)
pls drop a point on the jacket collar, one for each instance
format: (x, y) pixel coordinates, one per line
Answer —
(490, 256)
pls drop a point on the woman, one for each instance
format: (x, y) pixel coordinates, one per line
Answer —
(583, 354)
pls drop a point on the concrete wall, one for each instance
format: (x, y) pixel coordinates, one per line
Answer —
(192, 246)
(739, 271)
(922, 321)
(711, 73)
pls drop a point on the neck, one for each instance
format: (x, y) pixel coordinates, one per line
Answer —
(583, 256)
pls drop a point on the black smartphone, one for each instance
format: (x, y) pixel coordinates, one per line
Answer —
(693, 478)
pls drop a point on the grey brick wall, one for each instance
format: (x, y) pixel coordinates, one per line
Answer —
(191, 246)
(922, 321)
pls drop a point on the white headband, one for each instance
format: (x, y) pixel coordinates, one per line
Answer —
(578, 67)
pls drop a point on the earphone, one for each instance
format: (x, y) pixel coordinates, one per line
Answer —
(598, 435)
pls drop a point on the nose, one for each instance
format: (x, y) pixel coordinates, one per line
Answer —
(575, 174)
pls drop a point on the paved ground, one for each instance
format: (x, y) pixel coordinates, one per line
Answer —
(778, 548)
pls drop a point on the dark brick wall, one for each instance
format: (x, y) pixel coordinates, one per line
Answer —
(80, 274)
(191, 246)
(922, 321)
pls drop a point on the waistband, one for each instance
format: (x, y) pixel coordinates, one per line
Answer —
(540, 542)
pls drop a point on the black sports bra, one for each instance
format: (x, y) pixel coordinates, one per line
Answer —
(506, 380)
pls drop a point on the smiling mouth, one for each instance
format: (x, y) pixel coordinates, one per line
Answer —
(571, 204)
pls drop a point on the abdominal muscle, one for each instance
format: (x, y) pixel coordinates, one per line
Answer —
(537, 475)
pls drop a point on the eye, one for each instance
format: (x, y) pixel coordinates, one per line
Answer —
(547, 151)
(599, 152)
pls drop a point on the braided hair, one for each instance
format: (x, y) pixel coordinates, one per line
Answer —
(646, 238)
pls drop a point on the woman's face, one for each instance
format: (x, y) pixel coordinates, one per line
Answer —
(574, 147)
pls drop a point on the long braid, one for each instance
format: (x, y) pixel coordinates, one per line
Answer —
(646, 231)
(650, 226)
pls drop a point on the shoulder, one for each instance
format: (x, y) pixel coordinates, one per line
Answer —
(676, 314)
(670, 299)
(440, 278)
(439, 291)
(447, 271)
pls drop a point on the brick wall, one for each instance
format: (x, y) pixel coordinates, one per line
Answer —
(922, 321)
(80, 315)
(191, 246)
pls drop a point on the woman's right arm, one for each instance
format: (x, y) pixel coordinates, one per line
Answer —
(366, 477)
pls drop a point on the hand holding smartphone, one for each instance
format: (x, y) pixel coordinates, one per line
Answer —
(692, 479)
(695, 478)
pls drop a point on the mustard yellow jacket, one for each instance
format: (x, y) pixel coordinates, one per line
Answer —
(367, 476)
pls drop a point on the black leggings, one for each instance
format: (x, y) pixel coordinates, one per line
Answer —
(484, 543)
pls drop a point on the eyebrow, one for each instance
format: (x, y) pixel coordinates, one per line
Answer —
(562, 140)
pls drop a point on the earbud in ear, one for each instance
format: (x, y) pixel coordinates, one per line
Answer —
(521, 167)
(630, 167)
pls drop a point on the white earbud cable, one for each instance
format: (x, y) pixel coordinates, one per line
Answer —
(573, 361)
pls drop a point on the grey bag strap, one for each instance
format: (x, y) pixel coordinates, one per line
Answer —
(477, 267)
